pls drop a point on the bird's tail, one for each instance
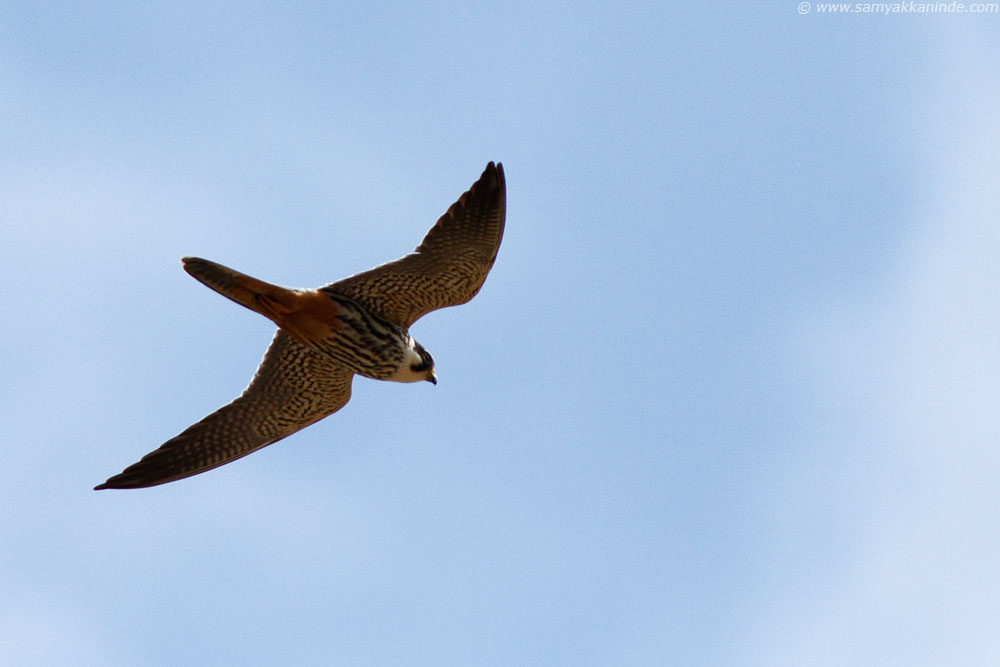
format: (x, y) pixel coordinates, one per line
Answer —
(267, 299)
(306, 315)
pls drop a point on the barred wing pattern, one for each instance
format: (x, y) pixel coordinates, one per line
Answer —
(293, 388)
(448, 267)
(297, 385)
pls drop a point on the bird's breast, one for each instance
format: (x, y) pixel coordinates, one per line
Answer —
(363, 342)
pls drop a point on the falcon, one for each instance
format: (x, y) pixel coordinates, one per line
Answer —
(326, 336)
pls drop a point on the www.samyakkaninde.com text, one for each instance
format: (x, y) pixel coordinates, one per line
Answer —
(886, 8)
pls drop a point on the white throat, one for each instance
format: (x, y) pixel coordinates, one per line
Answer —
(411, 358)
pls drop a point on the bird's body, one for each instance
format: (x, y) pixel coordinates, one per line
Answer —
(324, 321)
(358, 325)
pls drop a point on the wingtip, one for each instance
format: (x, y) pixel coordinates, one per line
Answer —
(196, 265)
(496, 170)
(124, 483)
(121, 481)
(112, 482)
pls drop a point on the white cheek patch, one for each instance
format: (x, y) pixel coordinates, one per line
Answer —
(411, 358)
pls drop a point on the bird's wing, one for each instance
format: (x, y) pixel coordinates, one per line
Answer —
(293, 388)
(448, 267)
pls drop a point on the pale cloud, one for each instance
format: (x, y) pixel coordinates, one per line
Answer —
(46, 630)
(906, 406)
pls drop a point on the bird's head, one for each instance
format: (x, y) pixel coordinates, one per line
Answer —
(426, 364)
(418, 365)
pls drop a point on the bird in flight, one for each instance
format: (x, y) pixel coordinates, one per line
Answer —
(358, 325)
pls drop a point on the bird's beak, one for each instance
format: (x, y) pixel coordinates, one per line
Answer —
(432, 378)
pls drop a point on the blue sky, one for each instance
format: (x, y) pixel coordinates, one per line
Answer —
(729, 395)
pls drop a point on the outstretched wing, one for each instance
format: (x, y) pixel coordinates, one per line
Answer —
(293, 388)
(448, 267)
